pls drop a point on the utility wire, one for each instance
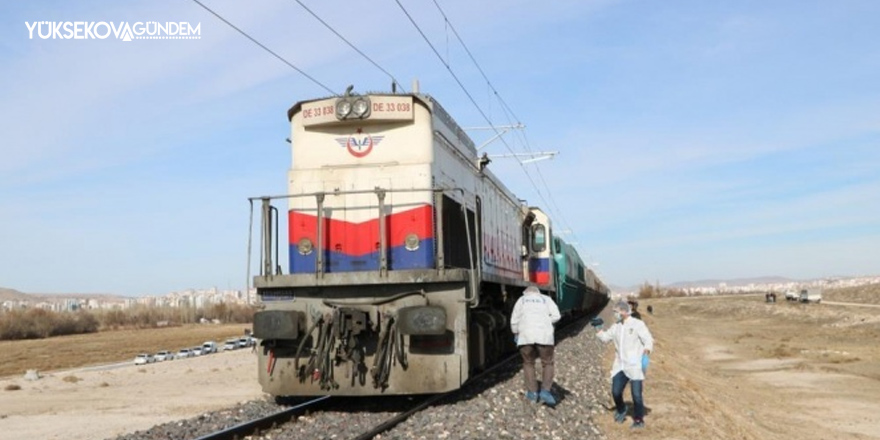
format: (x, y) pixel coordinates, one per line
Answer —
(506, 108)
(267, 49)
(473, 101)
(554, 207)
(551, 206)
(393, 79)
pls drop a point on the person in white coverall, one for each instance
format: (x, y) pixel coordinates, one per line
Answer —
(632, 342)
(532, 324)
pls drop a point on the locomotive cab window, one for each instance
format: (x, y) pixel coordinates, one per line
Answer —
(539, 238)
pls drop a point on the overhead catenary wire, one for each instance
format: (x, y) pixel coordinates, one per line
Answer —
(351, 45)
(552, 206)
(468, 94)
(279, 57)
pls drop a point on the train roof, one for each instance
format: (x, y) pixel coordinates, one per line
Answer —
(427, 100)
(438, 111)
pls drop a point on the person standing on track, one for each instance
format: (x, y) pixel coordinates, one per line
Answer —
(632, 341)
(532, 324)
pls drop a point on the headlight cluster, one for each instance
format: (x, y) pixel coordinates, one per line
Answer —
(353, 107)
(411, 242)
(304, 246)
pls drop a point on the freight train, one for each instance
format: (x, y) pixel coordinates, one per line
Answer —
(406, 254)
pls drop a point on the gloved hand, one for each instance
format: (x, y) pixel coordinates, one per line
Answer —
(645, 361)
(597, 322)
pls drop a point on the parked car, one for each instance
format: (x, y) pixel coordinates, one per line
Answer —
(164, 355)
(184, 353)
(244, 342)
(811, 295)
(143, 359)
(231, 344)
(209, 347)
(196, 351)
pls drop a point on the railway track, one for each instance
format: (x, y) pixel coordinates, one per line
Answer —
(415, 405)
(264, 424)
(258, 425)
(400, 418)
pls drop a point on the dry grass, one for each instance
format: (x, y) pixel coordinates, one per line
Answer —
(13, 387)
(74, 351)
(773, 383)
(869, 294)
(71, 379)
(782, 351)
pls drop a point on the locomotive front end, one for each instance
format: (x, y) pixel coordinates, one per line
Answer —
(368, 304)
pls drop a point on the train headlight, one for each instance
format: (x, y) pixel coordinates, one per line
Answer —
(411, 242)
(421, 320)
(304, 246)
(343, 108)
(361, 108)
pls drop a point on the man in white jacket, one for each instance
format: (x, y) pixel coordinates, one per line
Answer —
(632, 341)
(532, 324)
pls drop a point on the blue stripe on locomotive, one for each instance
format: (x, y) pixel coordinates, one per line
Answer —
(398, 259)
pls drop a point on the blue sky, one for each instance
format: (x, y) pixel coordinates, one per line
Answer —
(697, 139)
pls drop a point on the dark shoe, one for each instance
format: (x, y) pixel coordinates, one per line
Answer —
(638, 424)
(547, 398)
(531, 396)
(620, 417)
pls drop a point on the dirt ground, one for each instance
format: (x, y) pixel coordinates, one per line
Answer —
(736, 367)
(94, 404)
(723, 368)
(869, 294)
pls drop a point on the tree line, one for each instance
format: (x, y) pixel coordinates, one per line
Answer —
(648, 290)
(35, 323)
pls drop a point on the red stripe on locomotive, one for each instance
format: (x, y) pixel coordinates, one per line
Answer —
(357, 239)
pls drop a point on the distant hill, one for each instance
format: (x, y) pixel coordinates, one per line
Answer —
(710, 283)
(7, 294)
(732, 282)
(12, 295)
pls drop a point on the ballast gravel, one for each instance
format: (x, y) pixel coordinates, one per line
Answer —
(492, 408)
(496, 408)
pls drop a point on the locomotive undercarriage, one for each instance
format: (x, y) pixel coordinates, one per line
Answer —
(378, 339)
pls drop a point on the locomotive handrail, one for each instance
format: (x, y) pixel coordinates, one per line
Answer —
(383, 241)
(319, 236)
(383, 256)
(474, 300)
(356, 191)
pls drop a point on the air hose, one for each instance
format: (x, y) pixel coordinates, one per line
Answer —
(302, 344)
(389, 352)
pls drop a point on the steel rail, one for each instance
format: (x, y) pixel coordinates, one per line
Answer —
(249, 428)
